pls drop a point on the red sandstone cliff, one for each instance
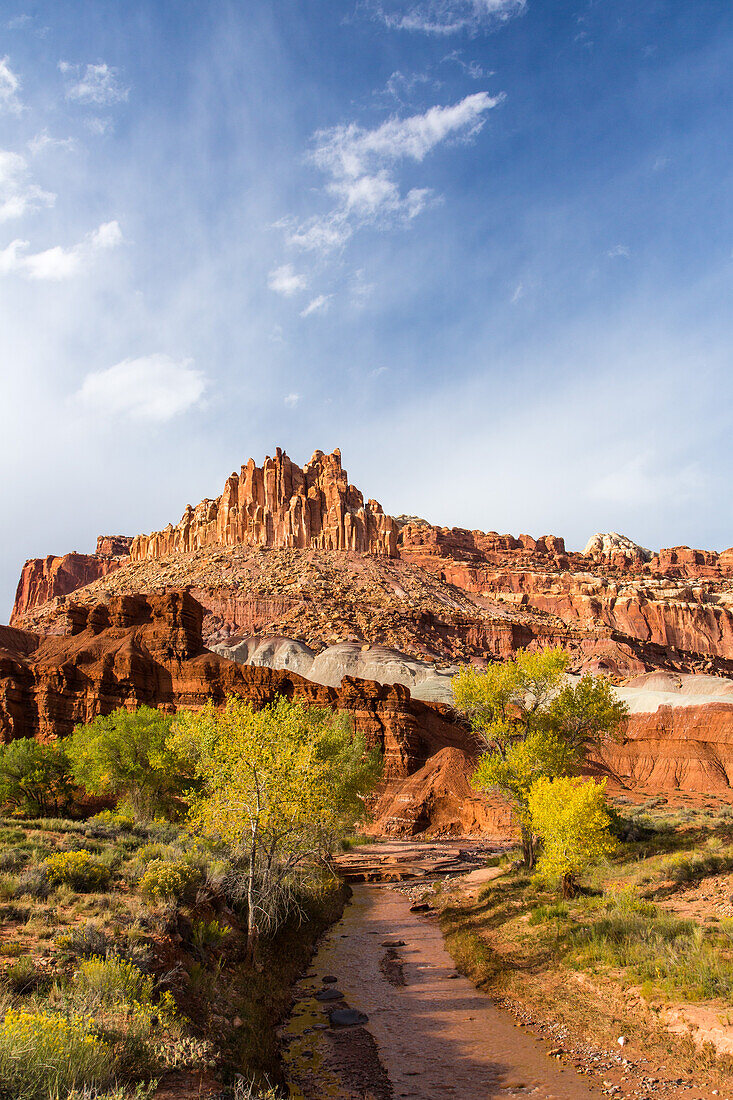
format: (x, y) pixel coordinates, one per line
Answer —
(280, 505)
(149, 650)
(617, 607)
(42, 579)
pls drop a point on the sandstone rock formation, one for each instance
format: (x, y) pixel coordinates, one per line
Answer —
(148, 650)
(42, 579)
(431, 592)
(280, 505)
(610, 543)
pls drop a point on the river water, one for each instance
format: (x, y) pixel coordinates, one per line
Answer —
(430, 1034)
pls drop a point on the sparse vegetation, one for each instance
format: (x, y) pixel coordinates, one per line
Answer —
(620, 936)
(124, 954)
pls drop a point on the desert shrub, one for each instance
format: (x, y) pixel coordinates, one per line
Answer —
(13, 858)
(85, 943)
(115, 820)
(185, 1052)
(8, 887)
(79, 870)
(90, 941)
(44, 1055)
(209, 934)
(167, 879)
(34, 776)
(34, 881)
(22, 976)
(164, 832)
(112, 982)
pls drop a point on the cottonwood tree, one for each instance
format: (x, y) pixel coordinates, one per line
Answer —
(34, 776)
(277, 786)
(570, 816)
(533, 724)
(125, 755)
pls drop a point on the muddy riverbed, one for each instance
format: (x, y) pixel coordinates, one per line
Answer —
(414, 1027)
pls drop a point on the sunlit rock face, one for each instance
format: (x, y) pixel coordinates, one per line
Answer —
(280, 505)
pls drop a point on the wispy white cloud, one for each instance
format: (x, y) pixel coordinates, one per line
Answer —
(43, 141)
(19, 22)
(57, 263)
(152, 388)
(286, 280)
(518, 293)
(18, 195)
(359, 165)
(94, 85)
(471, 68)
(618, 250)
(317, 305)
(9, 88)
(444, 17)
(360, 290)
(401, 86)
(99, 124)
(25, 22)
(291, 400)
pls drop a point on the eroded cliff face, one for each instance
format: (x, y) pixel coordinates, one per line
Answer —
(42, 579)
(280, 505)
(148, 649)
(671, 609)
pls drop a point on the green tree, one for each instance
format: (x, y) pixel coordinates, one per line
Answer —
(571, 817)
(277, 785)
(125, 755)
(538, 755)
(35, 776)
(506, 700)
(534, 724)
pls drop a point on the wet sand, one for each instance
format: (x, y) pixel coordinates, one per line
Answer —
(430, 1034)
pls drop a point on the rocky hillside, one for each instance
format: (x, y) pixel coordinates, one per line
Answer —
(296, 553)
(302, 587)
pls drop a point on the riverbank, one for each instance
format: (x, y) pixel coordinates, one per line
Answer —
(625, 985)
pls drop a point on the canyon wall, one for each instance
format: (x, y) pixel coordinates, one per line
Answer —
(42, 579)
(280, 505)
(148, 649)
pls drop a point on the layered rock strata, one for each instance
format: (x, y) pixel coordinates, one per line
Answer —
(42, 579)
(280, 505)
(297, 553)
(149, 650)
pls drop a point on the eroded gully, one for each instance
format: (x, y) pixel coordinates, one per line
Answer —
(429, 1033)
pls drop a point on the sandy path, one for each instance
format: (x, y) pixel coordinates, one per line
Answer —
(433, 1037)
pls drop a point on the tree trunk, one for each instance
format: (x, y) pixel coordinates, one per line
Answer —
(251, 923)
(569, 886)
(528, 848)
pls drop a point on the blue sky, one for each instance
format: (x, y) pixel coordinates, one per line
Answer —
(484, 246)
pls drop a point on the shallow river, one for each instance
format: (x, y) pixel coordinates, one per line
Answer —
(430, 1034)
